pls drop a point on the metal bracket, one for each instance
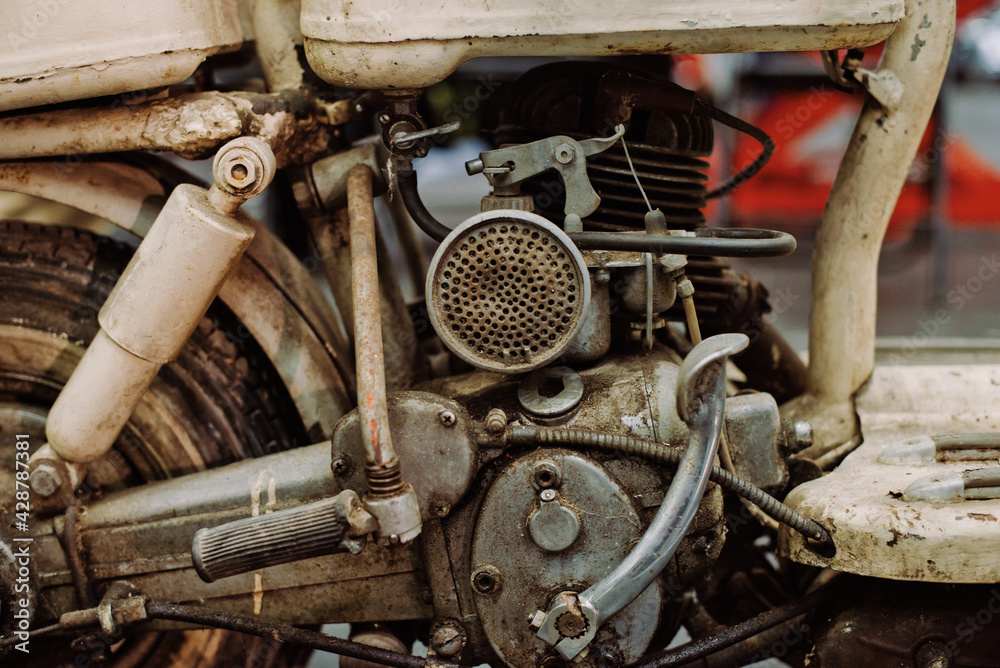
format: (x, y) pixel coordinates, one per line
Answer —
(883, 85)
(506, 167)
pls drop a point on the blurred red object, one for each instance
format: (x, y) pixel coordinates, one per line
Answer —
(811, 129)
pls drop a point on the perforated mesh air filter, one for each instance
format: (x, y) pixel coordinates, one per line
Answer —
(507, 291)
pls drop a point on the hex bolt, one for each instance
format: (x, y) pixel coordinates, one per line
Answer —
(447, 640)
(45, 480)
(803, 433)
(448, 418)
(496, 421)
(798, 435)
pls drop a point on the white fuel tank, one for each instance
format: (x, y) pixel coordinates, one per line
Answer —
(415, 43)
(62, 50)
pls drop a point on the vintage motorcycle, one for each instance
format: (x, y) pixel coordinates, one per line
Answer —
(567, 435)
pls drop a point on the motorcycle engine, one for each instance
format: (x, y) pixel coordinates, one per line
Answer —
(510, 294)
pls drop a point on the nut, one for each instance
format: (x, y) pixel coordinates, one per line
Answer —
(240, 172)
(564, 154)
(45, 480)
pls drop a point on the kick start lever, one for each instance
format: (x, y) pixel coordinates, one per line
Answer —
(573, 619)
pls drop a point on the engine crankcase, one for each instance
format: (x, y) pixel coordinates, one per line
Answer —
(555, 521)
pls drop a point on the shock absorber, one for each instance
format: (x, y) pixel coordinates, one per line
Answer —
(159, 300)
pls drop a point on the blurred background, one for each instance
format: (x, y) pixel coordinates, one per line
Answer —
(939, 276)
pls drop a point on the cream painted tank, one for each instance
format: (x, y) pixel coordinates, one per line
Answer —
(61, 50)
(415, 43)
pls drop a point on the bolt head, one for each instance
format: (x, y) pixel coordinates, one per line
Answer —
(447, 640)
(548, 495)
(448, 418)
(340, 465)
(45, 480)
(383, 118)
(486, 580)
(803, 431)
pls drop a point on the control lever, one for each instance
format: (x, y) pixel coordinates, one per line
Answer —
(403, 139)
(329, 526)
(508, 166)
(573, 619)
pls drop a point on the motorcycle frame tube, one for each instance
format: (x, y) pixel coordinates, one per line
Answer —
(849, 239)
(269, 290)
(276, 33)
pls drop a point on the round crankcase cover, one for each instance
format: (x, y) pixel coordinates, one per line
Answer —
(513, 576)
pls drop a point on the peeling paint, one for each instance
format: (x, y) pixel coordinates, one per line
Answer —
(917, 45)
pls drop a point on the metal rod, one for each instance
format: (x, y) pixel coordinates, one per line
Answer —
(720, 242)
(369, 359)
(864, 194)
(701, 395)
(283, 633)
(697, 649)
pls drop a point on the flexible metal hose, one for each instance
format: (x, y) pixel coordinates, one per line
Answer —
(657, 452)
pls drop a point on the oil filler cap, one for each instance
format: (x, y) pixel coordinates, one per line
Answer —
(507, 291)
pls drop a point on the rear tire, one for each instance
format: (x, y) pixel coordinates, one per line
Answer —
(219, 402)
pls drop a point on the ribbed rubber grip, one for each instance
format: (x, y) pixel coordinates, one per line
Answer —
(303, 532)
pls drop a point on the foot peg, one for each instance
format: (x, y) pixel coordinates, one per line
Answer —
(316, 529)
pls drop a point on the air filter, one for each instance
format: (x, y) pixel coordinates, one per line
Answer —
(507, 291)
